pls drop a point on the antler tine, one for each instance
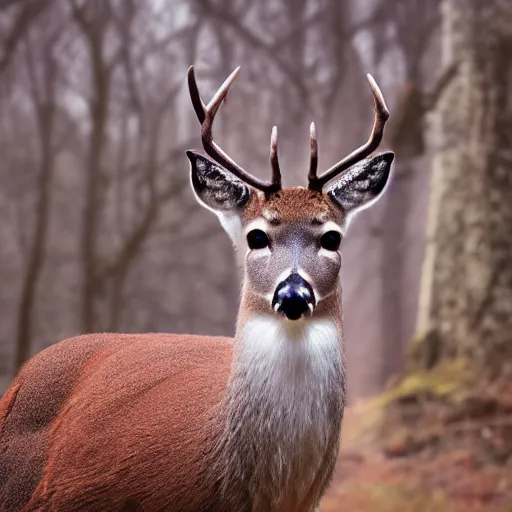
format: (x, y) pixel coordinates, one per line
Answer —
(381, 116)
(274, 160)
(222, 92)
(313, 161)
(197, 102)
(206, 115)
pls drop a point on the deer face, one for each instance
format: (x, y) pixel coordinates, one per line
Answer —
(291, 238)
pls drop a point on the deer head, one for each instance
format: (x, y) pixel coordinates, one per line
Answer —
(292, 237)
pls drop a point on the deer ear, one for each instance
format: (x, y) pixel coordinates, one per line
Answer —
(215, 187)
(219, 191)
(362, 185)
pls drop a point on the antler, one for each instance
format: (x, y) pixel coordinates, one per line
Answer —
(206, 115)
(381, 116)
(313, 161)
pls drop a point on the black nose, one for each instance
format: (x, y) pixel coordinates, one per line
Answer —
(294, 297)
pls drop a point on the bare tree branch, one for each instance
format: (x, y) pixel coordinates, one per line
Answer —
(253, 40)
(26, 16)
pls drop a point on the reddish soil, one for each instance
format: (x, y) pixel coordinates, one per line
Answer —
(427, 481)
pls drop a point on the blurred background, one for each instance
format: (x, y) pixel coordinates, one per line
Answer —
(99, 230)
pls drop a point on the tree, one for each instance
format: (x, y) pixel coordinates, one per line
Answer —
(93, 20)
(146, 98)
(412, 23)
(466, 303)
(42, 70)
(27, 14)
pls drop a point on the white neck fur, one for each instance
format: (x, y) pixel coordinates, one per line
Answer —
(284, 407)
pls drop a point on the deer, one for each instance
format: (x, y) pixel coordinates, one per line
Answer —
(168, 422)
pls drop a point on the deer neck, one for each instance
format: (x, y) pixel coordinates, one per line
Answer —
(284, 404)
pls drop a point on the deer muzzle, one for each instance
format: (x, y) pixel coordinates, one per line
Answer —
(294, 297)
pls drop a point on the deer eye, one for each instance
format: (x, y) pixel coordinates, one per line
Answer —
(330, 241)
(257, 239)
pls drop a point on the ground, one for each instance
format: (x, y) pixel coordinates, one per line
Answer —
(374, 477)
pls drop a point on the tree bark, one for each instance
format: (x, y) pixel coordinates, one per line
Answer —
(467, 282)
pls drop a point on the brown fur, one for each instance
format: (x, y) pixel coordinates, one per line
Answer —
(292, 205)
(7, 403)
(105, 422)
(294, 220)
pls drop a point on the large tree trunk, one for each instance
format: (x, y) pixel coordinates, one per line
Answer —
(467, 281)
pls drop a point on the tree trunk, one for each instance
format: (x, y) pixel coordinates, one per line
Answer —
(93, 192)
(467, 282)
(37, 254)
(43, 100)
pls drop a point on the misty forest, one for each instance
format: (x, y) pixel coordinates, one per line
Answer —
(100, 232)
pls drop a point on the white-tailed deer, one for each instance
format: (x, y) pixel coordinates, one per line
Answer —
(153, 422)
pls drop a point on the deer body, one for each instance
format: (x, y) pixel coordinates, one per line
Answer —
(192, 423)
(120, 431)
(119, 436)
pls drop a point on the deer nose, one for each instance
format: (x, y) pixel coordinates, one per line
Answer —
(294, 297)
